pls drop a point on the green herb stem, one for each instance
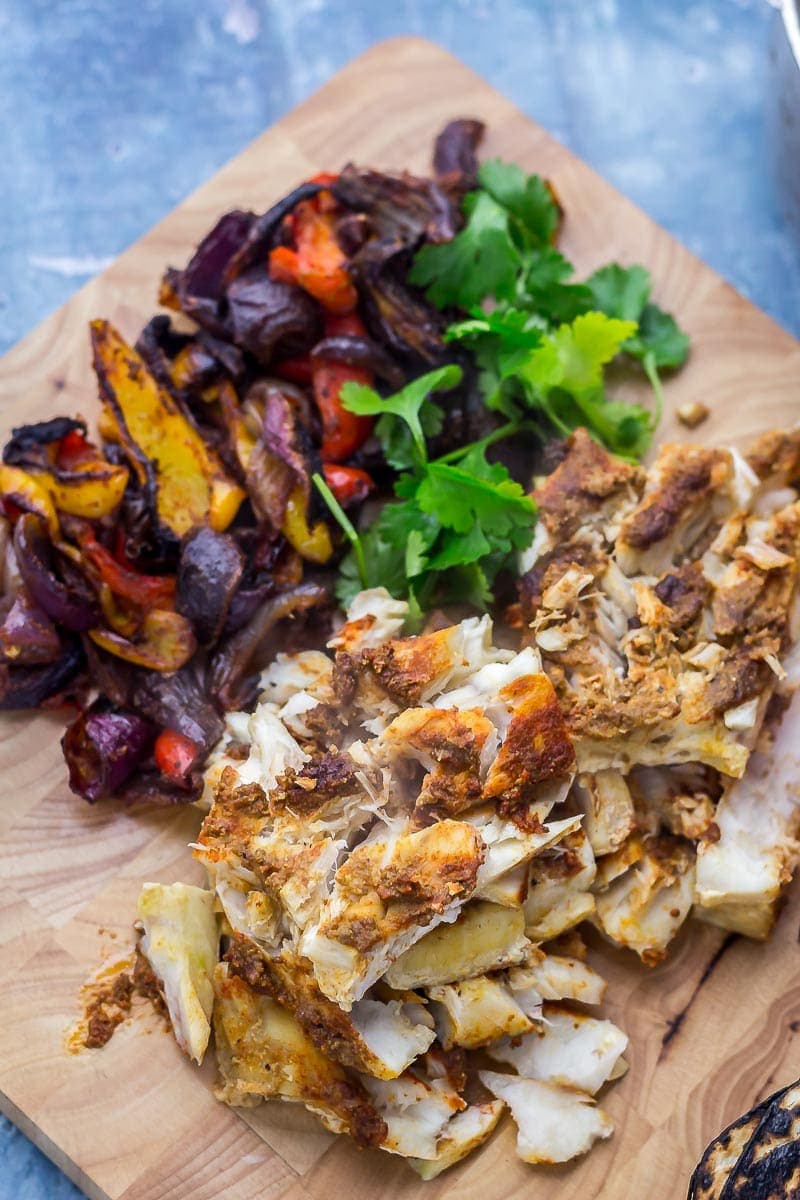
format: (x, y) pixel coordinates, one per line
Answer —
(497, 435)
(651, 371)
(345, 524)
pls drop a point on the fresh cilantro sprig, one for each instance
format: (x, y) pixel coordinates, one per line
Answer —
(542, 342)
(504, 255)
(457, 520)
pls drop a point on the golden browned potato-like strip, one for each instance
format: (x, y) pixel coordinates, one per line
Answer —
(186, 480)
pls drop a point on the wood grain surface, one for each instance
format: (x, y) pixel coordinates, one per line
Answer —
(711, 1030)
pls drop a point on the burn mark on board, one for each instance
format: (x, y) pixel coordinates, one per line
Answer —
(675, 1023)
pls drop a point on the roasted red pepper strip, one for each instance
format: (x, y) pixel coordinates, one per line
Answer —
(317, 263)
(175, 754)
(148, 591)
(325, 201)
(296, 370)
(350, 485)
(74, 449)
(344, 325)
(342, 431)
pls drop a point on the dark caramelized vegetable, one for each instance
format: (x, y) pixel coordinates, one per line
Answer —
(74, 610)
(209, 570)
(103, 748)
(27, 636)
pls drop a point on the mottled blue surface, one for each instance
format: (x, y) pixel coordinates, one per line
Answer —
(111, 112)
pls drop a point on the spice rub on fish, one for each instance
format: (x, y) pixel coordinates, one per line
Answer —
(372, 890)
(664, 604)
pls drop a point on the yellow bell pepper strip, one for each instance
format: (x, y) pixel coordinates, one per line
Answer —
(107, 427)
(244, 442)
(313, 544)
(91, 489)
(28, 494)
(185, 478)
(120, 616)
(164, 643)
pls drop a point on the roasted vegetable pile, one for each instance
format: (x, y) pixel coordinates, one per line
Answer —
(151, 564)
(146, 569)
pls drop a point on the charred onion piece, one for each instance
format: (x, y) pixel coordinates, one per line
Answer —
(236, 658)
(27, 636)
(200, 287)
(28, 444)
(455, 163)
(209, 572)
(401, 209)
(360, 352)
(178, 701)
(244, 604)
(398, 317)
(103, 748)
(274, 463)
(33, 551)
(266, 313)
(32, 687)
(261, 232)
(151, 787)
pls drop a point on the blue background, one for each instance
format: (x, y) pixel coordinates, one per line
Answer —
(112, 112)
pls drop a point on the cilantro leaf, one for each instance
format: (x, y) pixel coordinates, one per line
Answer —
(501, 341)
(574, 356)
(406, 404)
(458, 549)
(546, 292)
(564, 377)
(625, 292)
(474, 492)
(466, 518)
(397, 442)
(527, 198)
(620, 292)
(384, 547)
(514, 327)
(626, 429)
(480, 261)
(660, 335)
(383, 567)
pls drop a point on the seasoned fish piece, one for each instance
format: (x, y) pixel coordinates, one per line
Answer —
(385, 896)
(180, 942)
(645, 905)
(476, 1012)
(462, 1134)
(262, 1052)
(569, 1049)
(485, 937)
(740, 876)
(554, 1124)
(380, 1037)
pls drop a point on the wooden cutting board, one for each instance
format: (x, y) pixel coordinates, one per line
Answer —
(711, 1030)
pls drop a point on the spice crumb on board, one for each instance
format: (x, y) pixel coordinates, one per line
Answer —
(108, 999)
(692, 414)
